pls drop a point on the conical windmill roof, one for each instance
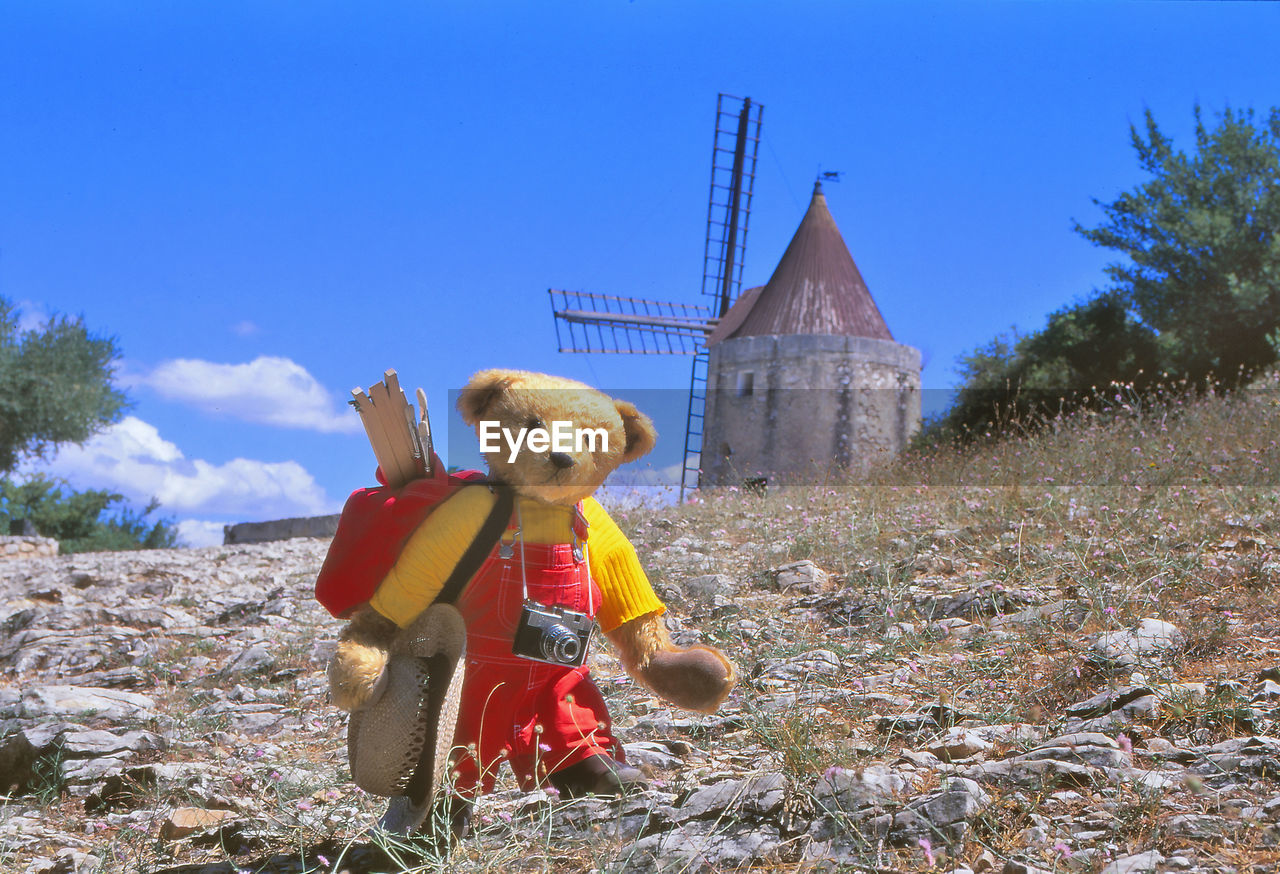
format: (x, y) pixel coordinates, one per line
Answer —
(815, 289)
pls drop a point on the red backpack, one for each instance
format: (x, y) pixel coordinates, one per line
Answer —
(373, 529)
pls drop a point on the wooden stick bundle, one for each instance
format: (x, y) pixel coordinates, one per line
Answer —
(401, 445)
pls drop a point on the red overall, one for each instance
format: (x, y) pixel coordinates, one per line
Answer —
(537, 716)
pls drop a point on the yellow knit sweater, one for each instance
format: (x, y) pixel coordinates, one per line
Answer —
(438, 543)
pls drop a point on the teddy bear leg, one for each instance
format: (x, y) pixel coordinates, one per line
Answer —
(698, 678)
(596, 775)
(357, 671)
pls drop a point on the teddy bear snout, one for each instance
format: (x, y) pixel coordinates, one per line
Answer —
(562, 460)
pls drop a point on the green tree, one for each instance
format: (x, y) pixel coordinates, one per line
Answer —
(1197, 297)
(87, 521)
(55, 385)
(1201, 239)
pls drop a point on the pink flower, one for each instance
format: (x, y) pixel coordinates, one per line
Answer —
(927, 849)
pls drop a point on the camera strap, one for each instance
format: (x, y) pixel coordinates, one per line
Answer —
(579, 549)
(490, 532)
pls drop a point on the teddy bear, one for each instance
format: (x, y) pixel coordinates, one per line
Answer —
(552, 441)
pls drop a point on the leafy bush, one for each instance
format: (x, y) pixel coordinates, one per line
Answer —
(1025, 380)
(83, 521)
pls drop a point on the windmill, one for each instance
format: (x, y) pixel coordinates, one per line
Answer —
(591, 322)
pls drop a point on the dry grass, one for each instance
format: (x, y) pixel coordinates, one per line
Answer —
(1168, 510)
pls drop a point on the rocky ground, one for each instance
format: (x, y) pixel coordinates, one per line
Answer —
(1016, 678)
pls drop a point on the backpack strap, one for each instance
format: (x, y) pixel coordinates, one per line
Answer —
(479, 550)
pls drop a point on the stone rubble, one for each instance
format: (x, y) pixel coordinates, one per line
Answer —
(167, 711)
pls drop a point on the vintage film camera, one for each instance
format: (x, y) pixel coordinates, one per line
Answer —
(553, 635)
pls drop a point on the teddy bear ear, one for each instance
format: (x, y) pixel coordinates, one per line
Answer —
(641, 435)
(481, 391)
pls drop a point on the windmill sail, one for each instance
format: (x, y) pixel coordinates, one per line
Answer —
(589, 322)
(733, 174)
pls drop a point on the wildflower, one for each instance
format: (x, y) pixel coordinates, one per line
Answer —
(1125, 743)
(322, 859)
(304, 804)
(927, 849)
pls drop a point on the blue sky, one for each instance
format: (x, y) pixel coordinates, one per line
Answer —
(268, 203)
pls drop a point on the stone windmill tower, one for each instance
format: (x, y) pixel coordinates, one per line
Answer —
(804, 380)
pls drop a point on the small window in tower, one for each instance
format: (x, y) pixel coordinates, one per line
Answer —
(746, 383)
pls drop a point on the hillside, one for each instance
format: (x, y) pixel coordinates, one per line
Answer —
(1058, 654)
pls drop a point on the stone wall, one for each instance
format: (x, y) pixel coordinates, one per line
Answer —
(27, 547)
(280, 529)
(806, 408)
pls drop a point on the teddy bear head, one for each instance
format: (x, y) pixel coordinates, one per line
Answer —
(551, 438)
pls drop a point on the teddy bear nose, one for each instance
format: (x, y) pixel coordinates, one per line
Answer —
(562, 460)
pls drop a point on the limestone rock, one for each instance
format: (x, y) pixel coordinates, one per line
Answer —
(1147, 642)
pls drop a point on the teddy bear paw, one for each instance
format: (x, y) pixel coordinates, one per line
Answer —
(357, 676)
(698, 678)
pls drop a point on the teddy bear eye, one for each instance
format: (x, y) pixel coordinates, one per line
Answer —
(533, 423)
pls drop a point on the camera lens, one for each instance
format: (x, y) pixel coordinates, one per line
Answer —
(560, 644)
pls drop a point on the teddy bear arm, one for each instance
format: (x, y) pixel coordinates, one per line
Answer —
(698, 678)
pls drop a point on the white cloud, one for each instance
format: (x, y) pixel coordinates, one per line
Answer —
(200, 532)
(32, 316)
(132, 458)
(267, 390)
(245, 328)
